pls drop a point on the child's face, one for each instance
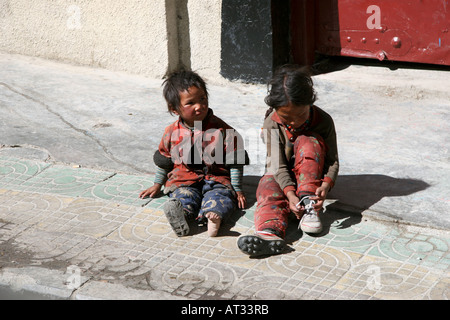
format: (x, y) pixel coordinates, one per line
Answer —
(193, 105)
(293, 115)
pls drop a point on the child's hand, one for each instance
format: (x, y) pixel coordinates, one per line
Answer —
(321, 195)
(151, 192)
(293, 201)
(242, 200)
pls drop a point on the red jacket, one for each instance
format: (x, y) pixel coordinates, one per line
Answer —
(207, 152)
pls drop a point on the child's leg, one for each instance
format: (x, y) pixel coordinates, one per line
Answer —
(190, 198)
(218, 203)
(183, 201)
(309, 161)
(214, 221)
(271, 219)
(272, 210)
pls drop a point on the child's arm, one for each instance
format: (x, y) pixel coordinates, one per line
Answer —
(331, 163)
(276, 162)
(151, 192)
(321, 195)
(160, 179)
(293, 201)
(163, 164)
(236, 174)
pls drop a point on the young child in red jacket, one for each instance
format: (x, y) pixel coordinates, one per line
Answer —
(200, 159)
(301, 163)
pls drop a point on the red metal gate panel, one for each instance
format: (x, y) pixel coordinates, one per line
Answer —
(399, 30)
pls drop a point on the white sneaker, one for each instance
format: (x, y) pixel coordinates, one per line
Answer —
(310, 222)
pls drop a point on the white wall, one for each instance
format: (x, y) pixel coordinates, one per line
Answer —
(123, 35)
(205, 34)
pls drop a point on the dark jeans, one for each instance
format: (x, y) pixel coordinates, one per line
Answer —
(204, 197)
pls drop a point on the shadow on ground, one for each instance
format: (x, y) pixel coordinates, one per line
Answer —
(354, 194)
(250, 183)
(327, 64)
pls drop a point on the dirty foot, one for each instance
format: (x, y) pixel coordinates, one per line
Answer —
(213, 223)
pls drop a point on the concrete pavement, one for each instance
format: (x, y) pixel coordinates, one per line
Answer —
(76, 147)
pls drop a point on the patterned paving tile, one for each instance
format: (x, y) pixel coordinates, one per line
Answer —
(119, 241)
(184, 274)
(20, 210)
(415, 248)
(157, 203)
(377, 239)
(146, 227)
(121, 188)
(64, 180)
(387, 279)
(27, 208)
(63, 214)
(14, 171)
(52, 246)
(95, 220)
(313, 266)
(107, 257)
(318, 272)
(89, 217)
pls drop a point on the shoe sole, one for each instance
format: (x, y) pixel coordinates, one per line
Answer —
(309, 229)
(256, 246)
(175, 215)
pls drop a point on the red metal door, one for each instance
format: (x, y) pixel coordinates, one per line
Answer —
(400, 30)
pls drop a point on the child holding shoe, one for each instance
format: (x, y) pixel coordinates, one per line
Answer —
(301, 163)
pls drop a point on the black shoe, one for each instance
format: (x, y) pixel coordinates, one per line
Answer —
(261, 244)
(174, 212)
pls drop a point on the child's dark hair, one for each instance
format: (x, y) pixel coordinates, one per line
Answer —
(180, 81)
(290, 83)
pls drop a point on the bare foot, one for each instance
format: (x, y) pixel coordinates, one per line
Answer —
(213, 223)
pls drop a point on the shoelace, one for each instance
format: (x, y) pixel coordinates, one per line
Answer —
(309, 209)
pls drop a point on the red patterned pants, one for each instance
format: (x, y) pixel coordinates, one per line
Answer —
(272, 210)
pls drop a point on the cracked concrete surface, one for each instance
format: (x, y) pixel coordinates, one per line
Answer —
(67, 137)
(68, 124)
(92, 114)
